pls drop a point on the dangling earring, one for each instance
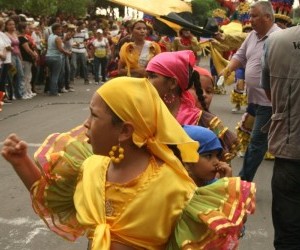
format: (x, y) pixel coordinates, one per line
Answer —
(112, 154)
(169, 98)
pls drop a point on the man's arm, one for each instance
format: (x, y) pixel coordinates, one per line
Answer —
(265, 72)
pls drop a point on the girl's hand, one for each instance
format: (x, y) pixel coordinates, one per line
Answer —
(14, 150)
(224, 169)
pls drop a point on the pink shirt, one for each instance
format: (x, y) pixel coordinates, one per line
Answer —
(249, 54)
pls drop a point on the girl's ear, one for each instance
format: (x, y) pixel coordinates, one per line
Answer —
(126, 132)
(173, 84)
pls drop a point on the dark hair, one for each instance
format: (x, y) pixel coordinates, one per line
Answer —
(6, 23)
(22, 26)
(1, 23)
(79, 23)
(183, 29)
(176, 151)
(15, 18)
(194, 80)
(115, 120)
(136, 22)
(55, 26)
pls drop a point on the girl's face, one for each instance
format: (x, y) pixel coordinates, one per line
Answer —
(185, 33)
(206, 168)
(58, 31)
(29, 29)
(99, 35)
(98, 125)
(208, 91)
(161, 83)
(139, 30)
(10, 26)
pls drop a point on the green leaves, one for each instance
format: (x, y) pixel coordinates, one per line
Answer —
(202, 9)
(76, 8)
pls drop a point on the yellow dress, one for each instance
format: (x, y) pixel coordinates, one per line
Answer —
(74, 198)
(133, 59)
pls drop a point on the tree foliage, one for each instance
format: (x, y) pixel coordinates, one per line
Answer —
(76, 8)
(202, 9)
(40, 7)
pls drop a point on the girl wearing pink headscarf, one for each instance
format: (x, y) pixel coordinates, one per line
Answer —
(207, 85)
(172, 74)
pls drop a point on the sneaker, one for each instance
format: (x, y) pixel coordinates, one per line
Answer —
(27, 97)
(7, 101)
(71, 90)
(63, 90)
(57, 94)
(32, 94)
(236, 110)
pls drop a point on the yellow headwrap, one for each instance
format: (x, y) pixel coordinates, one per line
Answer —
(137, 101)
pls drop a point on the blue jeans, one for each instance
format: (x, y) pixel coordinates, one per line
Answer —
(286, 204)
(78, 58)
(54, 64)
(97, 63)
(258, 145)
(62, 75)
(18, 78)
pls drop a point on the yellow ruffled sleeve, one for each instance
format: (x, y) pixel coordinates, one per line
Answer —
(215, 215)
(60, 160)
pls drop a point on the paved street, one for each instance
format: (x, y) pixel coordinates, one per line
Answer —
(33, 120)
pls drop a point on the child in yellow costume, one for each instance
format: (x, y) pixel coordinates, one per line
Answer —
(128, 190)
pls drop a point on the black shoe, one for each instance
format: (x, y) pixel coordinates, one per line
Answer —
(7, 101)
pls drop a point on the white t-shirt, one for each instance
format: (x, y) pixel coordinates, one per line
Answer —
(100, 47)
(5, 42)
(78, 45)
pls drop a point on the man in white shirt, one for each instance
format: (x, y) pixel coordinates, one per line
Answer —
(79, 52)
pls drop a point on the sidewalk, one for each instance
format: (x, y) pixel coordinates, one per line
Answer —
(82, 95)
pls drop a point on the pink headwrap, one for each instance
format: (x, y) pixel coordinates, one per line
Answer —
(176, 65)
(203, 72)
(173, 64)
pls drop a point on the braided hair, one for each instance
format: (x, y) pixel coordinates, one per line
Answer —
(194, 80)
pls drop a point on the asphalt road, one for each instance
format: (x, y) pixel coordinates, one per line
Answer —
(33, 120)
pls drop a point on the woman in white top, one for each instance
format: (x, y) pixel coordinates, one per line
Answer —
(5, 61)
(100, 50)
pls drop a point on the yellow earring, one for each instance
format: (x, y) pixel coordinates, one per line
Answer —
(112, 154)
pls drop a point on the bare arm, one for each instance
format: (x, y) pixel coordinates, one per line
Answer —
(232, 66)
(122, 71)
(30, 51)
(59, 45)
(268, 93)
(15, 152)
